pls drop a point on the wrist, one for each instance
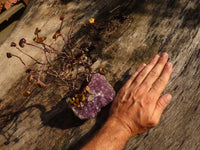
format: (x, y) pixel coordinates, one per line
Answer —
(112, 136)
(117, 125)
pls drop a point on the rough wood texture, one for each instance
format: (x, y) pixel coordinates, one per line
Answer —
(8, 13)
(126, 34)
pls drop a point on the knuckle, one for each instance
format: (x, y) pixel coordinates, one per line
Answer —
(161, 103)
(156, 87)
(142, 74)
(138, 93)
(161, 80)
(154, 73)
(141, 90)
(128, 95)
(140, 106)
(151, 65)
(137, 82)
(135, 97)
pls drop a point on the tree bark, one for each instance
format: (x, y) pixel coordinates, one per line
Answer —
(125, 34)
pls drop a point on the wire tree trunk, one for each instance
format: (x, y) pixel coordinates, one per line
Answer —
(125, 34)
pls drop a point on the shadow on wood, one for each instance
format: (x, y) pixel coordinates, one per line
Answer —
(61, 116)
(126, 34)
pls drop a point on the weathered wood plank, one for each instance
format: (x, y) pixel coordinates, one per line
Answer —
(126, 34)
(11, 11)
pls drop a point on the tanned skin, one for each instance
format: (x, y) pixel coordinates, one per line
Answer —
(137, 107)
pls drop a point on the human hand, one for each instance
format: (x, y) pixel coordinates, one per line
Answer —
(138, 105)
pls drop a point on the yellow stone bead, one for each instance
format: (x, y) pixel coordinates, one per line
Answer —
(91, 20)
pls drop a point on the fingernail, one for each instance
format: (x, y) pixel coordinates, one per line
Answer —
(143, 65)
(164, 55)
(155, 57)
(169, 64)
(168, 98)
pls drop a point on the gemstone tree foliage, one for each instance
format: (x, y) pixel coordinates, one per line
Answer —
(89, 90)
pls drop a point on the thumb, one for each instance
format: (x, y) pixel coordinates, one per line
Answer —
(161, 104)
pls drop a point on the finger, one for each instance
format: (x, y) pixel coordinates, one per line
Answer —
(139, 69)
(161, 82)
(161, 104)
(155, 72)
(127, 93)
(142, 75)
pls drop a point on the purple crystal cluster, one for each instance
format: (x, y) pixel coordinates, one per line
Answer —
(101, 94)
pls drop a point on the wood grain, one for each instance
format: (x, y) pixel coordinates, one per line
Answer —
(126, 34)
(11, 11)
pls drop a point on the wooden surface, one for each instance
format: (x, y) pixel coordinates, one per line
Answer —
(126, 34)
(8, 13)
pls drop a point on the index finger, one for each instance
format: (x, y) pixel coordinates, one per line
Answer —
(161, 82)
(132, 78)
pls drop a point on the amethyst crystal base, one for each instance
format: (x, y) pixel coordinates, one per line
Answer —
(101, 94)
